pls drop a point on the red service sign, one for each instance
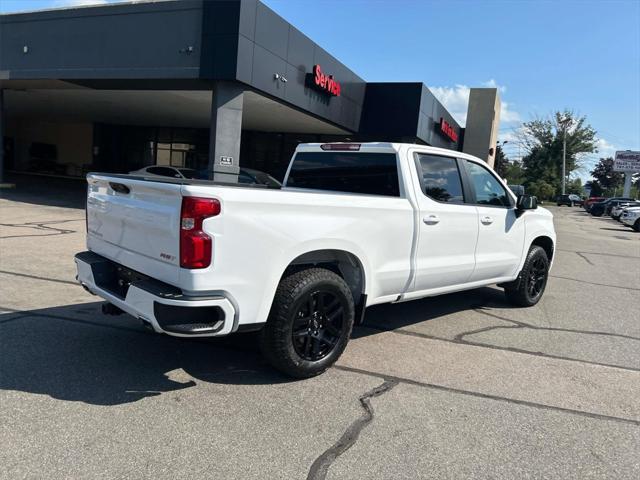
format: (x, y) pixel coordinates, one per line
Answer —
(323, 82)
(448, 130)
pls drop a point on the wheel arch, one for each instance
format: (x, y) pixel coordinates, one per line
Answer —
(342, 262)
(547, 245)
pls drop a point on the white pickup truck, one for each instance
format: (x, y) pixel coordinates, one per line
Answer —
(353, 225)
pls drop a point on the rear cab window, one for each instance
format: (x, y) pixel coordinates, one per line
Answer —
(440, 178)
(366, 173)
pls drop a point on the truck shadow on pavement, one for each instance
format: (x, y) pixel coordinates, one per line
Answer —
(387, 317)
(46, 191)
(75, 353)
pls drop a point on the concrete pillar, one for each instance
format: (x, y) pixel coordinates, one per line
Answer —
(627, 184)
(1, 135)
(483, 123)
(225, 131)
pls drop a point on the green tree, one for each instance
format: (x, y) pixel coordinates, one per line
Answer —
(595, 189)
(606, 177)
(501, 162)
(543, 138)
(575, 186)
(541, 189)
(514, 173)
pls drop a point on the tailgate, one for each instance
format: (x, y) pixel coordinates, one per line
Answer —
(135, 223)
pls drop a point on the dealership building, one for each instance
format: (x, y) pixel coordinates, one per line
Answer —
(199, 84)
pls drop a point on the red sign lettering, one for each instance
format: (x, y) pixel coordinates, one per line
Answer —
(325, 83)
(447, 130)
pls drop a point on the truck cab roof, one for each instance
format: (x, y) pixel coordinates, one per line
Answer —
(380, 147)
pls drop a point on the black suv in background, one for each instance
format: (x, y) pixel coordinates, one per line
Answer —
(569, 200)
(604, 208)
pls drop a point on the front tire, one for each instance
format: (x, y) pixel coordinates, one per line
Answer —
(309, 324)
(528, 288)
(636, 226)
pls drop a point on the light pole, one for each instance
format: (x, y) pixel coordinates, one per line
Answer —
(564, 122)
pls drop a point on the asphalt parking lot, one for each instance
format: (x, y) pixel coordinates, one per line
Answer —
(460, 386)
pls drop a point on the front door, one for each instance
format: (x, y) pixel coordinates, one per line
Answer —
(501, 231)
(448, 228)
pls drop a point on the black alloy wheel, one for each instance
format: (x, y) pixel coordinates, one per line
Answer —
(527, 289)
(309, 324)
(537, 278)
(318, 325)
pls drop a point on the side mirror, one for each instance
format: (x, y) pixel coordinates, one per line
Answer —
(526, 202)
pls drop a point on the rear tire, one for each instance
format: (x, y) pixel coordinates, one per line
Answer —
(528, 288)
(310, 323)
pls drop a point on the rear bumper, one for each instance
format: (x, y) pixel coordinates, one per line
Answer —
(163, 306)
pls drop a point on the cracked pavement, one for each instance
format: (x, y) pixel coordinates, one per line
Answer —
(459, 386)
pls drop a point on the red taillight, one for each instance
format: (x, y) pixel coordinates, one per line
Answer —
(195, 245)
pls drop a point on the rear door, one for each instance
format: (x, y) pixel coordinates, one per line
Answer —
(501, 233)
(448, 227)
(135, 223)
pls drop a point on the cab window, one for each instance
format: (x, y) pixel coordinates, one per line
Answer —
(352, 172)
(440, 178)
(488, 191)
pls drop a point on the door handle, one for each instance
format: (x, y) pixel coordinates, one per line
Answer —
(486, 220)
(431, 219)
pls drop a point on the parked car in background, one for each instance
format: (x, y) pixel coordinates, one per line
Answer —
(631, 218)
(569, 200)
(590, 201)
(249, 176)
(246, 175)
(166, 171)
(617, 210)
(604, 208)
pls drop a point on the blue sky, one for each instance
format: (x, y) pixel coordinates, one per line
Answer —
(544, 55)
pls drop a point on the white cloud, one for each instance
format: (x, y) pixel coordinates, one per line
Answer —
(511, 135)
(507, 115)
(605, 149)
(493, 84)
(456, 100)
(79, 3)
